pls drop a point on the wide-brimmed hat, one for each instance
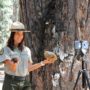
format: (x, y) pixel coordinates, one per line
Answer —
(18, 26)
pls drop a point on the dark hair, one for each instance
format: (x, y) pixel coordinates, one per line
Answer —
(10, 43)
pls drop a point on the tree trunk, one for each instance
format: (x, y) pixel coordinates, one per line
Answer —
(54, 25)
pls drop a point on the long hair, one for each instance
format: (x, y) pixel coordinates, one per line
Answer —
(10, 42)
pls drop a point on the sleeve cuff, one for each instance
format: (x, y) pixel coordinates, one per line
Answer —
(4, 57)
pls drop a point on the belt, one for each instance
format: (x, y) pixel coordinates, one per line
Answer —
(19, 78)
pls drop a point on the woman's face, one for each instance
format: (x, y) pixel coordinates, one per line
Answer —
(18, 37)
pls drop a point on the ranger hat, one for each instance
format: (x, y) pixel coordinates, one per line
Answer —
(18, 26)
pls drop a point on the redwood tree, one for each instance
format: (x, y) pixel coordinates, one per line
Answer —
(54, 24)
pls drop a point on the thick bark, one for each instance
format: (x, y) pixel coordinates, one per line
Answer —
(54, 23)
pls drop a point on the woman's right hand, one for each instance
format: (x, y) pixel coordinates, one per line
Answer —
(11, 65)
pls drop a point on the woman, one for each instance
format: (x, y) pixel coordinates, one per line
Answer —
(19, 62)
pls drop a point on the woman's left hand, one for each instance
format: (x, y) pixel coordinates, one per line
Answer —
(49, 60)
(50, 57)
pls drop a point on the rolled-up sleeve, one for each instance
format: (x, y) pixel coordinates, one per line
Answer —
(4, 55)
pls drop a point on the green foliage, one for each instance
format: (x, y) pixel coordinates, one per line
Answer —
(1, 5)
(6, 13)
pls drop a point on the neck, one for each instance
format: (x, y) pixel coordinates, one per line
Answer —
(15, 45)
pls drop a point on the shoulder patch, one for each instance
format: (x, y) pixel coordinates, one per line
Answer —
(1, 51)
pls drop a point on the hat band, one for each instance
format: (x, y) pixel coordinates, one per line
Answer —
(19, 30)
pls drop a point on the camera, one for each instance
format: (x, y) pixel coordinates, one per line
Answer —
(81, 46)
(15, 60)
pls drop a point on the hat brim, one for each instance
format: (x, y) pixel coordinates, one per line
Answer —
(19, 30)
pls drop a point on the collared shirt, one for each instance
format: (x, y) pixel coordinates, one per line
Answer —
(23, 56)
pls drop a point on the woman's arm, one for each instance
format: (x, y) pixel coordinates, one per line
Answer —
(33, 67)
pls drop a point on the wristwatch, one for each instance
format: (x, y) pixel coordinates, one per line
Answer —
(42, 63)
